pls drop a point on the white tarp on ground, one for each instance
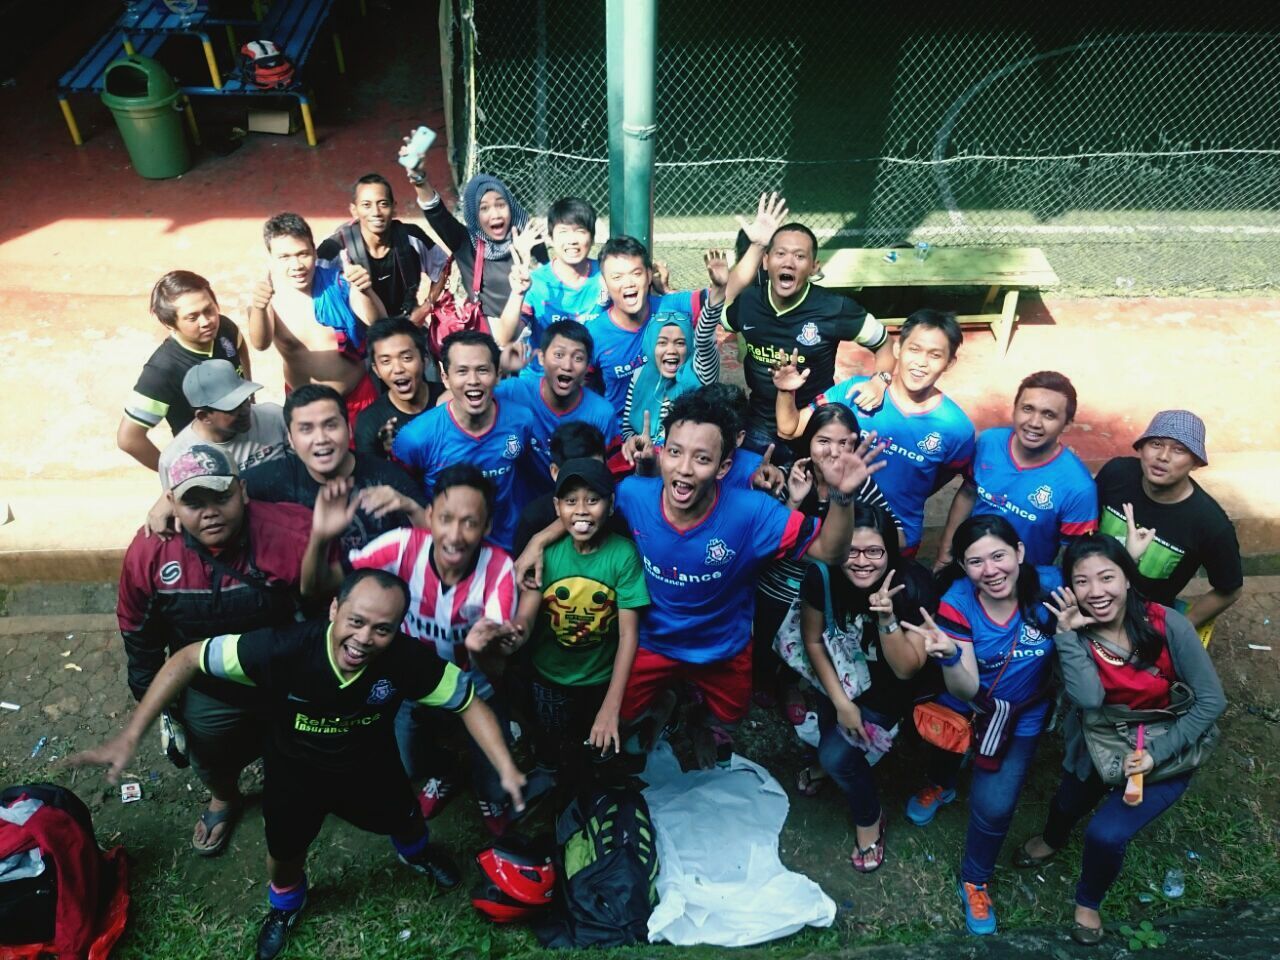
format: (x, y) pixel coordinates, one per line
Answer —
(721, 881)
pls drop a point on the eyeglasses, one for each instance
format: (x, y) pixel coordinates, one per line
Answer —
(871, 553)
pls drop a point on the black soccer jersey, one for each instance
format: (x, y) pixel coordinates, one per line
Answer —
(319, 717)
(158, 393)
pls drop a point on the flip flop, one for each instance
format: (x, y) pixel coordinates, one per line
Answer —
(808, 784)
(869, 859)
(213, 818)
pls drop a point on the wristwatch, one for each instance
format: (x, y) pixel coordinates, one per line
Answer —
(893, 626)
(842, 499)
(418, 179)
(885, 376)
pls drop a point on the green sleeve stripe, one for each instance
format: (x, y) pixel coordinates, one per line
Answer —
(144, 404)
(221, 659)
(145, 423)
(453, 692)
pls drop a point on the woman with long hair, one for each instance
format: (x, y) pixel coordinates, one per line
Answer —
(1115, 648)
(994, 643)
(832, 430)
(868, 596)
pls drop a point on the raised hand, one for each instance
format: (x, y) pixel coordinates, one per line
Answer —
(380, 500)
(521, 268)
(334, 510)
(1066, 608)
(263, 290)
(639, 446)
(800, 480)
(881, 601)
(525, 240)
(847, 470)
(771, 213)
(417, 175)
(717, 264)
(788, 376)
(356, 275)
(936, 642)
(1136, 538)
(661, 282)
(767, 477)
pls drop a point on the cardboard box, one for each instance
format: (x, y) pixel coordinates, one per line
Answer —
(273, 121)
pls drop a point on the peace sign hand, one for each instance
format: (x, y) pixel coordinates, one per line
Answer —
(1136, 539)
(639, 446)
(1066, 608)
(767, 477)
(788, 376)
(936, 643)
(881, 602)
(800, 480)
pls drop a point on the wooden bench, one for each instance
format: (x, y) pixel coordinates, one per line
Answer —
(997, 268)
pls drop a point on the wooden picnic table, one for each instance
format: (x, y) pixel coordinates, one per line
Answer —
(997, 268)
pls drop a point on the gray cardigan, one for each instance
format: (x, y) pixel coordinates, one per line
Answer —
(1191, 665)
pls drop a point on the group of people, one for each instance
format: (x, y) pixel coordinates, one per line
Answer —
(560, 514)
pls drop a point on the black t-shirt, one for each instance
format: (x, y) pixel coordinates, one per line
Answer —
(1191, 534)
(286, 480)
(158, 393)
(371, 420)
(815, 327)
(541, 512)
(395, 283)
(887, 695)
(319, 718)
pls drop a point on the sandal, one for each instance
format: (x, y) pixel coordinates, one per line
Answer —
(869, 859)
(810, 781)
(212, 819)
(1024, 861)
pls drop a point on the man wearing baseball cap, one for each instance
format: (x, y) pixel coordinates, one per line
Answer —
(227, 418)
(1172, 527)
(234, 566)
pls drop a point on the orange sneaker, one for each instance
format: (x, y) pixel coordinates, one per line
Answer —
(979, 915)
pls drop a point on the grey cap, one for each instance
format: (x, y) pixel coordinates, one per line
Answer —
(1180, 425)
(215, 385)
(203, 465)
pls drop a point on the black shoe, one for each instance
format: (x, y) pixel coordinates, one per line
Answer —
(275, 931)
(434, 863)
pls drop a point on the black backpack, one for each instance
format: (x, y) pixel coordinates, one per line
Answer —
(607, 865)
(28, 907)
(408, 265)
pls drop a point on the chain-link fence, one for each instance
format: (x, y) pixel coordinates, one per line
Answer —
(1140, 147)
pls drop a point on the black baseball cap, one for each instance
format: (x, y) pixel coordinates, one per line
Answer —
(585, 470)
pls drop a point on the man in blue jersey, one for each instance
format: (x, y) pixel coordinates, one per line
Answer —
(1024, 473)
(702, 544)
(928, 438)
(567, 288)
(557, 396)
(472, 428)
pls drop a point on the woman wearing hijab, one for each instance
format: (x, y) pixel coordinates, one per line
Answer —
(493, 220)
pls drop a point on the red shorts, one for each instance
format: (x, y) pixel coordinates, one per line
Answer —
(725, 684)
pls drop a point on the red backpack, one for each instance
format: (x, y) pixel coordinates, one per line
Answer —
(448, 316)
(263, 65)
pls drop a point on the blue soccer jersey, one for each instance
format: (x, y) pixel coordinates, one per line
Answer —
(591, 408)
(1047, 504)
(549, 299)
(742, 469)
(702, 580)
(619, 352)
(962, 617)
(435, 440)
(924, 450)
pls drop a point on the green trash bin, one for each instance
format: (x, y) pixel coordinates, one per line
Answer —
(144, 100)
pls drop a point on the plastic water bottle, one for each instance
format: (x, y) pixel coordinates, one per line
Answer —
(922, 251)
(1175, 883)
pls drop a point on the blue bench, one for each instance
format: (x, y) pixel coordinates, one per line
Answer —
(87, 75)
(293, 26)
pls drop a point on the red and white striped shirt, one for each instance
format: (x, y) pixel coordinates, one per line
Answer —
(438, 614)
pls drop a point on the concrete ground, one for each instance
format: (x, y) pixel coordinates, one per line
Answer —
(84, 239)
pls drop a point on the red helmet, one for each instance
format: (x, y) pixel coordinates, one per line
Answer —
(520, 871)
(497, 906)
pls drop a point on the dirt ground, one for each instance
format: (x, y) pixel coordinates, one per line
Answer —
(67, 673)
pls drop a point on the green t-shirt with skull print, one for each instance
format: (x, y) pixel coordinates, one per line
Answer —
(575, 638)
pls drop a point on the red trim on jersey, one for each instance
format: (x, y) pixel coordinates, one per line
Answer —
(791, 534)
(1078, 529)
(1035, 466)
(947, 611)
(552, 410)
(662, 508)
(483, 433)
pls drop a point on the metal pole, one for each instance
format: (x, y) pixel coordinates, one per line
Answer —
(542, 200)
(638, 128)
(615, 40)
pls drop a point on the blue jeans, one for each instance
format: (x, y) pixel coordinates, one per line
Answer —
(1110, 829)
(993, 795)
(418, 731)
(847, 766)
